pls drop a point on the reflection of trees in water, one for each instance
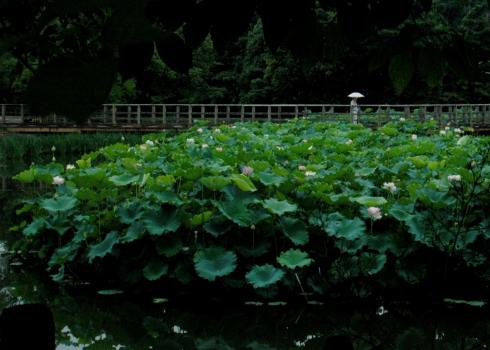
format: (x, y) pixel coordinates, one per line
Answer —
(83, 318)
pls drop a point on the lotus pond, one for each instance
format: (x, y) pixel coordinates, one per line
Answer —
(270, 209)
(246, 236)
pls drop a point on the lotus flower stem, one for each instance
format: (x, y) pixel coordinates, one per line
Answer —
(301, 286)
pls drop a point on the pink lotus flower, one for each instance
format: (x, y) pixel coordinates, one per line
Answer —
(58, 180)
(374, 213)
(247, 170)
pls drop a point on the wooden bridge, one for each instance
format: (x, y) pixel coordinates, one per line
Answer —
(17, 118)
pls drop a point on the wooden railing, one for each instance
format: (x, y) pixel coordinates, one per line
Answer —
(185, 115)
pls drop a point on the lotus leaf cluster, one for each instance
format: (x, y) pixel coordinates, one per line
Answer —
(271, 208)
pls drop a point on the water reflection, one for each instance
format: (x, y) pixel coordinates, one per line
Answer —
(85, 320)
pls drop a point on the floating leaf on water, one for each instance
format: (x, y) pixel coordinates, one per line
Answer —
(110, 292)
(277, 303)
(160, 300)
(475, 303)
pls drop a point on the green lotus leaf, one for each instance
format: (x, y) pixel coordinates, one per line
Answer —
(135, 231)
(400, 215)
(340, 227)
(167, 197)
(129, 213)
(199, 219)
(155, 270)
(61, 203)
(236, 211)
(264, 276)
(162, 221)
(169, 246)
(279, 207)
(215, 183)
(36, 226)
(294, 258)
(295, 230)
(64, 254)
(243, 183)
(371, 264)
(110, 292)
(26, 176)
(217, 226)
(371, 201)
(125, 179)
(271, 179)
(464, 141)
(417, 229)
(103, 248)
(214, 262)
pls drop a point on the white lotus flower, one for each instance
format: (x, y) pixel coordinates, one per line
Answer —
(374, 213)
(219, 149)
(402, 119)
(200, 130)
(390, 186)
(414, 137)
(150, 143)
(454, 178)
(301, 168)
(70, 167)
(442, 132)
(205, 145)
(310, 173)
(349, 142)
(191, 141)
(58, 180)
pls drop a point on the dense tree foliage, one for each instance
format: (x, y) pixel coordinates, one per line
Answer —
(80, 54)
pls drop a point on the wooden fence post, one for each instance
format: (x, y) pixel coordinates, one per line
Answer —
(253, 113)
(203, 112)
(153, 114)
(164, 115)
(189, 116)
(216, 114)
(269, 113)
(114, 110)
(242, 113)
(138, 115)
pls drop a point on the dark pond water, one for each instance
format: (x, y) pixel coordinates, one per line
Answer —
(86, 320)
